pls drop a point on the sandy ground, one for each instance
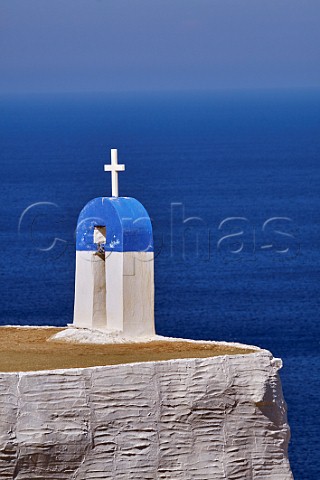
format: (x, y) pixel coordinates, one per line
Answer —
(27, 349)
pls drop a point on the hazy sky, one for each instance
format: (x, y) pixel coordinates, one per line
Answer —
(101, 45)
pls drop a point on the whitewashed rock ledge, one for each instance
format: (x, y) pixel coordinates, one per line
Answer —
(210, 418)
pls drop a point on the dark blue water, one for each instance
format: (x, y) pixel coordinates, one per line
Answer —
(197, 162)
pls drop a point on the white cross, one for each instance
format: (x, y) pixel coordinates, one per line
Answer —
(114, 168)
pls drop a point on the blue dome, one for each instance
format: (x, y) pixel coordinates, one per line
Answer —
(128, 225)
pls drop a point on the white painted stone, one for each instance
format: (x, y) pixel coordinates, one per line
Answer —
(220, 418)
(84, 288)
(99, 313)
(138, 294)
(115, 294)
(127, 306)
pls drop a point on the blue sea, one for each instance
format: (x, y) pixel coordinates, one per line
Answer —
(232, 183)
